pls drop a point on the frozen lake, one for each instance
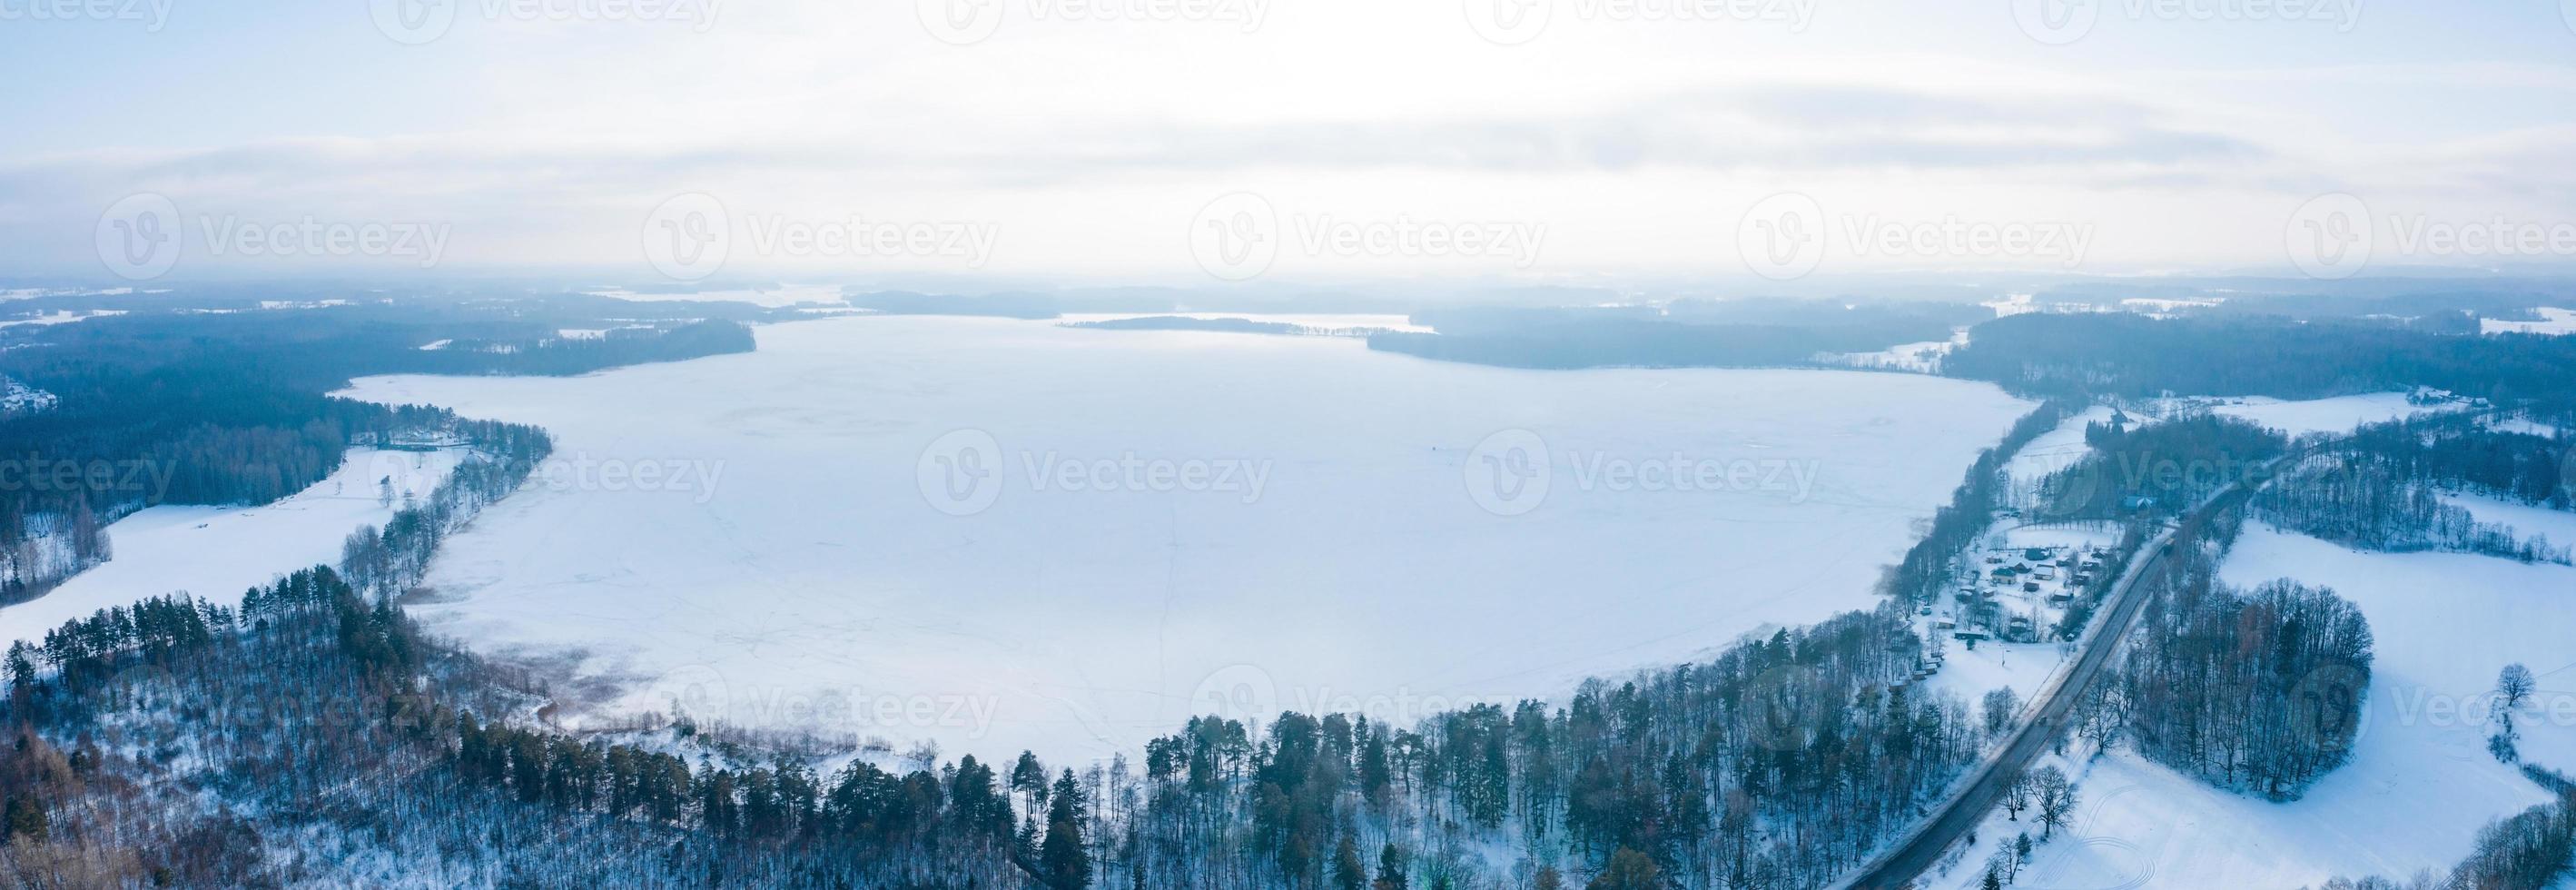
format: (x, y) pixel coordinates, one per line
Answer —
(1004, 534)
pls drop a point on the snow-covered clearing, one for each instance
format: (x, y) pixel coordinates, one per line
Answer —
(1919, 358)
(2052, 451)
(2420, 782)
(2552, 321)
(1313, 540)
(2340, 414)
(2559, 526)
(64, 316)
(218, 552)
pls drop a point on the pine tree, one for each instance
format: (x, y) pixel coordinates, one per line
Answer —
(1390, 869)
(1063, 858)
(1349, 873)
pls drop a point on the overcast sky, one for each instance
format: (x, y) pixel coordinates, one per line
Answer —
(1284, 140)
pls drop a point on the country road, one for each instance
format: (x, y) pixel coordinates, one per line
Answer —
(1900, 864)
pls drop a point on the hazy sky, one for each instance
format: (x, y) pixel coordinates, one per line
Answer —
(1546, 140)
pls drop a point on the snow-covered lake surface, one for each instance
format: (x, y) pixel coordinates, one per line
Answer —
(218, 552)
(1349, 561)
(1314, 321)
(2420, 782)
(2552, 321)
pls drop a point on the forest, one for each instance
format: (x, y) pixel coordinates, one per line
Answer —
(174, 407)
(2129, 355)
(2253, 690)
(1564, 339)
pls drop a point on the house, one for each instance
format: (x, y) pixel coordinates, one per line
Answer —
(1971, 635)
(2037, 554)
(2061, 599)
(1944, 624)
(2030, 587)
(2045, 574)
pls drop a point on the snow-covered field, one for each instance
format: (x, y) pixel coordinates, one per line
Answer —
(2052, 451)
(2341, 414)
(1919, 358)
(218, 552)
(893, 526)
(2420, 782)
(2552, 321)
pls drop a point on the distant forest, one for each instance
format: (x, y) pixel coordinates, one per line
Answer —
(173, 407)
(1752, 333)
(2122, 354)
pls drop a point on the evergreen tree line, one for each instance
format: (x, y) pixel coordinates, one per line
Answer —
(164, 408)
(384, 562)
(2159, 469)
(2460, 452)
(2129, 355)
(1926, 569)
